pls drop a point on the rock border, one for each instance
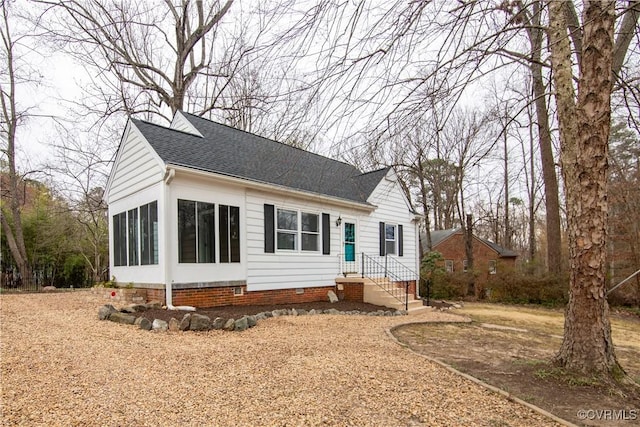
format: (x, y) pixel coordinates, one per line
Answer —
(201, 323)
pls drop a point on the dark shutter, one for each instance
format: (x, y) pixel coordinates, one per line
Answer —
(382, 239)
(269, 232)
(326, 234)
(400, 240)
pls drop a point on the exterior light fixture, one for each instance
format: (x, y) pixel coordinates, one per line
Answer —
(338, 221)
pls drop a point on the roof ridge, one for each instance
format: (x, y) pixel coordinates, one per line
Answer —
(273, 140)
(146, 122)
(386, 168)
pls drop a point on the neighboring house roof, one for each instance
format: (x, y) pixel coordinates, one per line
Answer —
(438, 236)
(232, 152)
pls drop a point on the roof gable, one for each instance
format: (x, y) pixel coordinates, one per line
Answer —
(136, 165)
(439, 236)
(224, 150)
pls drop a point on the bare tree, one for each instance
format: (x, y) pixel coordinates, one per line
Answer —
(12, 116)
(149, 56)
(82, 175)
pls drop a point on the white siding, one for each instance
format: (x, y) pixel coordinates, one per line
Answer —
(137, 167)
(282, 270)
(392, 209)
(180, 123)
(204, 190)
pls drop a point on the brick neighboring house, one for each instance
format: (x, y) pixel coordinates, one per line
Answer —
(489, 259)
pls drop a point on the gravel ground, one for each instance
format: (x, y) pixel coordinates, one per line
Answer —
(61, 366)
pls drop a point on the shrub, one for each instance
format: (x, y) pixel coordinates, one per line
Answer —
(74, 271)
(517, 288)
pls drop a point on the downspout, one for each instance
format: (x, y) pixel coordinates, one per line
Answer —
(168, 177)
(418, 255)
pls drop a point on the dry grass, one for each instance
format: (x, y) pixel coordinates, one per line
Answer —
(550, 322)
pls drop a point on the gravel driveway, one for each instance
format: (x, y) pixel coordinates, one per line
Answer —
(62, 366)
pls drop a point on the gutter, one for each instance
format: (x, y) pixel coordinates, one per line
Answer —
(367, 207)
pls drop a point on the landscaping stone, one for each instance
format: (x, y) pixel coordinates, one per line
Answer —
(105, 311)
(174, 324)
(153, 304)
(218, 323)
(125, 318)
(251, 321)
(241, 324)
(231, 323)
(49, 288)
(332, 296)
(159, 325)
(185, 322)
(138, 308)
(200, 322)
(143, 323)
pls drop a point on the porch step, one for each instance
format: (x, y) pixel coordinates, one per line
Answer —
(374, 294)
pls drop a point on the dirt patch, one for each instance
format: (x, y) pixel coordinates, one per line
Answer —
(511, 351)
(237, 311)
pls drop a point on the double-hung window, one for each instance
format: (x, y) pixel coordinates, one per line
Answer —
(448, 265)
(297, 231)
(492, 266)
(310, 231)
(196, 232)
(287, 229)
(390, 239)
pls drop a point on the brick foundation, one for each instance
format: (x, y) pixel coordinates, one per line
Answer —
(156, 295)
(224, 296)
(353, 292)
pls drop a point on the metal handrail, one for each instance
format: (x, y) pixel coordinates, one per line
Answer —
(391, 272)
(623, 282)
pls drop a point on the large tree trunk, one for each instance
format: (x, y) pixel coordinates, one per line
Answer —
(549, 177)
(584, 132)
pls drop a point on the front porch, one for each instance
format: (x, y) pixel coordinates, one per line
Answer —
(379, 280)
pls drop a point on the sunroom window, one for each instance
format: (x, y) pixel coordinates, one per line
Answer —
(196, 232)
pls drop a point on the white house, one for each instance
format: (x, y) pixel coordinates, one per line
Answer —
(207, 215)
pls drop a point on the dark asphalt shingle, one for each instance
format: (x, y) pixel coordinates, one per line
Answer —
(240, 154)
(438, 236)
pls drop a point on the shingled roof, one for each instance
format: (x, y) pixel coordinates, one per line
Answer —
(438, 236)
(236, 153)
